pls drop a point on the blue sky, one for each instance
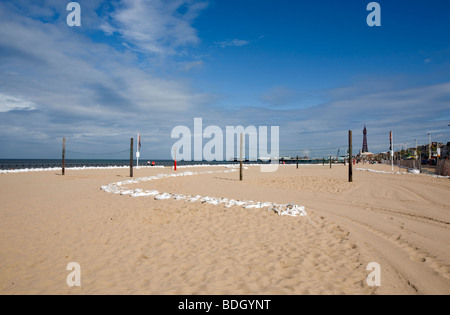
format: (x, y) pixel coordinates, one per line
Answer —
(313, 68)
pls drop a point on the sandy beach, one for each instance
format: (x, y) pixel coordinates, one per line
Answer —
(139, 245)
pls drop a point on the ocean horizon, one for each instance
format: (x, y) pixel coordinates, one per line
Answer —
(15, 164)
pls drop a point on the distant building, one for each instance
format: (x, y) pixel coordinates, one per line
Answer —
(364, 154)
(364, 147)
(444, 150)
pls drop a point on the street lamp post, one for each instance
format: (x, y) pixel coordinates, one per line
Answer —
(429, 148)
(415, 154)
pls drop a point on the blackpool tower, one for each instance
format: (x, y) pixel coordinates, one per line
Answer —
(364, 148)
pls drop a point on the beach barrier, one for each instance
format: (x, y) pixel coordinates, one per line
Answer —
(409, 164)
(80, 166)
(120, 188)
(20, 167)
(443, 168)
(409, 172)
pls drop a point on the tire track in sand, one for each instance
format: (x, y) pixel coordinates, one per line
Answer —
(386, 247)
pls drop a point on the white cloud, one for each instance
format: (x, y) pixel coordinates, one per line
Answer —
(158, 26)
(99, 94)
(81, 87)
(410, 112)
(9, 103)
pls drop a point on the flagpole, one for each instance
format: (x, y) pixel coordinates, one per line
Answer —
(392, 150)
(138, 153)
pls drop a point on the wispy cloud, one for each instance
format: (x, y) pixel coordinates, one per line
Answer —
(188, 66)
(408, 111)
(233, 43)
(59, 81)
(55, 82)
(158, 26)
(10, 103)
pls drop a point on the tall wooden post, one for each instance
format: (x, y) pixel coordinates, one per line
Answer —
(131, 157)
(297, 161)
(350, 157)
(241, 175)
(64, 157)
(330, 161)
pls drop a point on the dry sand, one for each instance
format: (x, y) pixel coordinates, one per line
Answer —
(128, 245)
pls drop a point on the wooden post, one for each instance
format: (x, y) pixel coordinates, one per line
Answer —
(330, 162)
(131, 157)
(64, 157)
(297, 161)
(323, 161)
(241, 177)
(350, 157)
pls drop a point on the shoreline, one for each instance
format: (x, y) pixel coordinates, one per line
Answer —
(50, 169)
